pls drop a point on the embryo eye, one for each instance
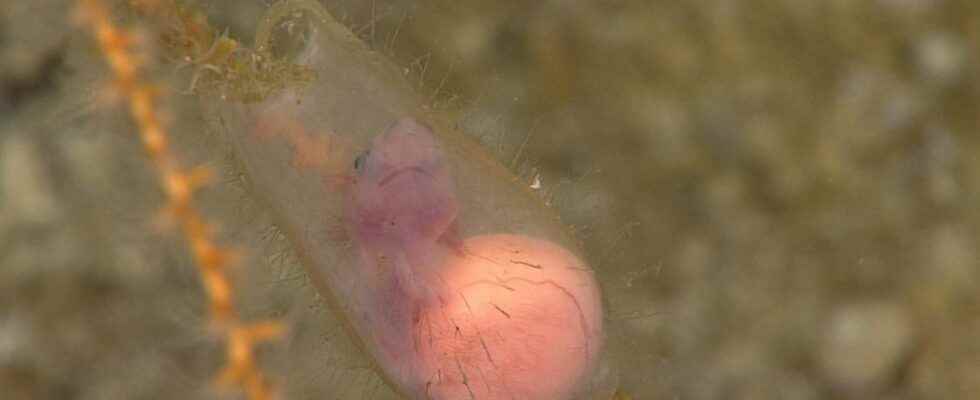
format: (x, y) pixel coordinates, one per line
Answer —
(359, 161)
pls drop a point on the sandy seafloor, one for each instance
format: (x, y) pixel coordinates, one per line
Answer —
(780, 197)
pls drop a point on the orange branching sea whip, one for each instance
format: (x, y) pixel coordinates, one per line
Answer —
(179, 185)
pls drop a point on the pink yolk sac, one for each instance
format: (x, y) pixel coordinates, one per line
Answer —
(522, 319)
(512, 317)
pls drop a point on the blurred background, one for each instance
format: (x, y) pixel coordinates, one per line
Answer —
(780, 197)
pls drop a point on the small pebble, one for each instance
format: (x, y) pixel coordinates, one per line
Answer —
(863, 345)
(25, 193)
(940, 57)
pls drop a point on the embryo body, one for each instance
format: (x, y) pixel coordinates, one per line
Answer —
(399, 207)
